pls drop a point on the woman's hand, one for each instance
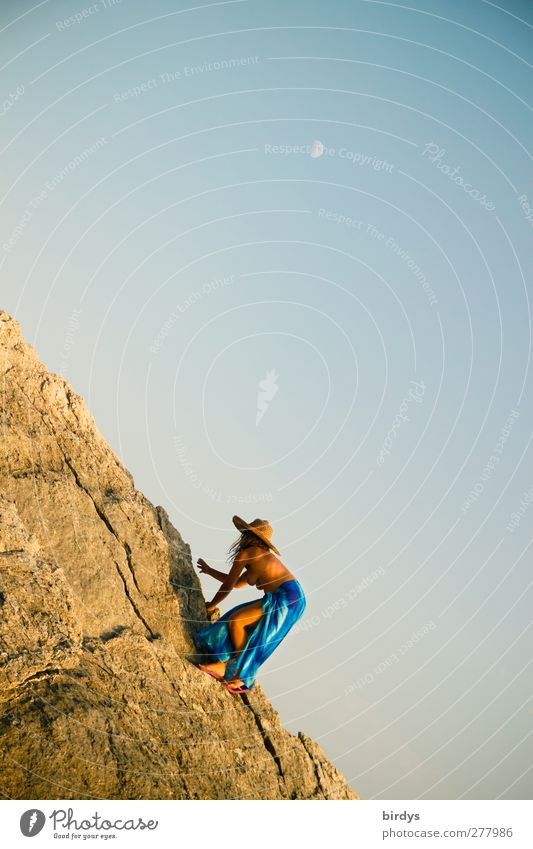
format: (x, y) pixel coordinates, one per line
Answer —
(203, 566)
(210, 607)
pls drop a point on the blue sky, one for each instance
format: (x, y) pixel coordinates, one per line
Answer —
(323, 213)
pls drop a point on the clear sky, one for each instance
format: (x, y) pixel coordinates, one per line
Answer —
(284, 251)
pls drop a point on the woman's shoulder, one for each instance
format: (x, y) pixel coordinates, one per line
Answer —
(258, 547)
(257, 553)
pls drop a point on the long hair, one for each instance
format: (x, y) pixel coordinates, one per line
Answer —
(246, 539)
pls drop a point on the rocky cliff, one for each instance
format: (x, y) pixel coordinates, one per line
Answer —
(99, 697)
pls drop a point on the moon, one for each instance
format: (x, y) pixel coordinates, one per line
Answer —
(317, 149)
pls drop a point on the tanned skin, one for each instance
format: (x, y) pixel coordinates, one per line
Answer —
(253, 566)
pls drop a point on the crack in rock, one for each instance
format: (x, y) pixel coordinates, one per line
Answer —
(269, 745)
(100, 513)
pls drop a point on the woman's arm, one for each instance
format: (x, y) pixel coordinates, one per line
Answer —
(242, 582)
(208, 570)
(230, 580)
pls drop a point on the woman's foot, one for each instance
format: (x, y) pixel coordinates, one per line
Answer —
(234, 684)
(215, 669)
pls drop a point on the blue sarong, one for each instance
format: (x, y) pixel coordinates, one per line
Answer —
(280, 610)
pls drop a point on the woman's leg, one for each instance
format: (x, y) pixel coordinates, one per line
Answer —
(244, 615)
(241, 620)
(238, 623)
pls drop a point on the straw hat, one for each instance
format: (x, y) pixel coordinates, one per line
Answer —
(260, 527)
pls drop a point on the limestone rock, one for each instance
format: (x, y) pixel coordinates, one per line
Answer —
(38, 631)
(99, 602)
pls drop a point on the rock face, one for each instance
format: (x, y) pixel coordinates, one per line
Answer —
(99, 697)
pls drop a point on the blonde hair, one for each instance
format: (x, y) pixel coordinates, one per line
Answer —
(246, 539)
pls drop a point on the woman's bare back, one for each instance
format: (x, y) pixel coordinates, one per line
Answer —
(264, 570)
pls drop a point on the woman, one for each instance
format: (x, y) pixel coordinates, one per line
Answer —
(243, 638)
